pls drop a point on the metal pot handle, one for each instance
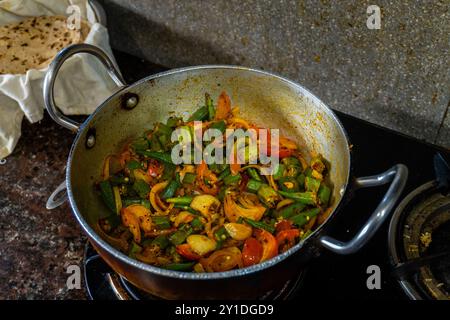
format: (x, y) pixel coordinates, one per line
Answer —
(52, 108)
(57, 198)
(397, 175)
(50, 77)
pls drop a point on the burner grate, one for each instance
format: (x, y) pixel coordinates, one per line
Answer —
(102, 283)
(420, 228)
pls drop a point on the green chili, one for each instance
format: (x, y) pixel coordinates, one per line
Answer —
(210, 106)
(308, 172)
(165, 141)
(155, 145)
(196, 224)
(267, 195)
(169, 171)
(161, 241)
(225, 173)
(288, 184)
(178, 237)
(160, 156)
(186, 228)
(301, 180)
(163, 130)
(253, 185)
(173, 122)
(222, 193)
(221, 167)
(279, 171)
(219, 125)
(141, 188)
(292, 171)
(290, 210)
(291, 161)
(140, 144)
(312, 184)
(185, 208)
(107, 195)
(324, 194)
(221, 235)
(129, 202)
(253, 173)
(134, 164)
(199, 115)
(189, 178)
(161, 222)
(302, 218)
(303, 197)
(232, 179)
(213, 167)
(170, 189)
(260, 225)
(134, 248)
(185, 200)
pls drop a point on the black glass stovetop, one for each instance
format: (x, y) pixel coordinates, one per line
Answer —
(374, 150)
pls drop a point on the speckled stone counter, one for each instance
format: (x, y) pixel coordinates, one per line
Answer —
(37, 245)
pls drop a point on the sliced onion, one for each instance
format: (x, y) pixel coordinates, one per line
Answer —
(200, 244)
(132, 222)
(143, 214)
(233, 211)
(117, 199)
(205, 204)
(238, 231)
(183, 217)
(223, 260)
(154, 194)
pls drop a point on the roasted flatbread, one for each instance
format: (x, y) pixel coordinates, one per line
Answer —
(34, 42)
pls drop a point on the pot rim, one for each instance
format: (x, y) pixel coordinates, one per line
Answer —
(190, 275)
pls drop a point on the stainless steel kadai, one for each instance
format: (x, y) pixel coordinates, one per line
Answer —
(265, 98)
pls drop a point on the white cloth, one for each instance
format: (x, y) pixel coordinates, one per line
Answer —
(82, 83)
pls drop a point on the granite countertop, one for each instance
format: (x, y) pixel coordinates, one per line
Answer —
(37, 245)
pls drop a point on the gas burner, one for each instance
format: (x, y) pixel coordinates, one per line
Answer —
(102, 283)
(419, 231)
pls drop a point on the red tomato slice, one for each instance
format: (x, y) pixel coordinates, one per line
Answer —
(283, 225)
(268, 242)
(204, 172)
(223, 109)
(252, 252)
(287, 236)
(285, 152)
(235, 167)
(186, 251)
(154, 168)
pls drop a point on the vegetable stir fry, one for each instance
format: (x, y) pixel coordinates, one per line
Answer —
(209, 217)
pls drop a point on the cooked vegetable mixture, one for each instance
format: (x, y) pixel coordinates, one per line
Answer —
(209, 218)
